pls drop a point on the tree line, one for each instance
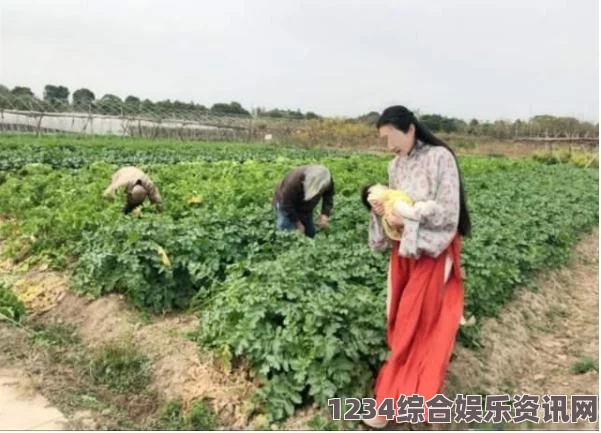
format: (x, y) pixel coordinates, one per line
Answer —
(537, 126)
(59, 98)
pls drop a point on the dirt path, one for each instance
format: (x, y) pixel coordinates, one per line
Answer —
(22, 407)
(538, 338)
(180, 371)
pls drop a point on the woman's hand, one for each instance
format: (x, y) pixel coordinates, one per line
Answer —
(396, 222)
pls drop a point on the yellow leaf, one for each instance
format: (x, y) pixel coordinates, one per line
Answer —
(195, 199)
(164, 258)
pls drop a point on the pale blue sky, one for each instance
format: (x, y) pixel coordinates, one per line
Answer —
(464, 58)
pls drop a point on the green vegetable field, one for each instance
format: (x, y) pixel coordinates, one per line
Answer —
(308, 316)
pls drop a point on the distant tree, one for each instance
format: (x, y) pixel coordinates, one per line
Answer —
(311, 116)
(437, 123)
(199, 108)
(275, 113)
(486, 129)
(110, 104)
(501, 129)
(132, 100)
(587, 129)
(82, 98)
(56, 95)
(132, 105)
(296, 115)
(370, 118)
(22, 92)
(544, 125)
(473, 127)
(5, 97)
(183, 109)
(232, 108)
(432, 121)
(236, 108)
(22, 98)
(567, 126)
(518, 128)
(459, 125)
(147, 107)
(164, 109)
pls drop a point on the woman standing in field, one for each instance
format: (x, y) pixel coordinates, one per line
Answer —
(425, 283)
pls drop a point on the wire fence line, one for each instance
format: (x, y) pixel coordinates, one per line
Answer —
(29, 115)
(118, 118)
(143, 126)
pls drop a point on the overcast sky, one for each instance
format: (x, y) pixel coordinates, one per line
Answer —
(465, 58)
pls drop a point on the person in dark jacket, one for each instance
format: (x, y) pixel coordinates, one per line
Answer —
(297, 196)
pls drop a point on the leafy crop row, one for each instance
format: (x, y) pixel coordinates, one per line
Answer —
(307, 314)
(72, 152)
(311, 320)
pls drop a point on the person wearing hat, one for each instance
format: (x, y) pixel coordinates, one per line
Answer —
(297, 196)
(138, 187)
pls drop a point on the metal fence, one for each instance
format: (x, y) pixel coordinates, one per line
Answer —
(30, 115)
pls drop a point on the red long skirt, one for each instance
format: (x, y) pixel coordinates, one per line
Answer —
(422, 325)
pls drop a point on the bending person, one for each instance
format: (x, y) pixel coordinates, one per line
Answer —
(137, 185)
(297, 196)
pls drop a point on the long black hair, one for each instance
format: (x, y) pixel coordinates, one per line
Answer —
(401, 118)
(364, 195)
